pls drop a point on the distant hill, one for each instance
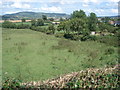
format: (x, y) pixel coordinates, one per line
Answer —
(32, 15)
(109, 16)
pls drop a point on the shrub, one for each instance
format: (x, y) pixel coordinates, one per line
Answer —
(51, 28)
(38, 28)
(23, 20)
(76, 37)
(7, 24)
(44, 30)
(11, 83)
(109, 51)
(109, 40)
(59, 35)
(68, 36)
(94, 38)
(49, 32)
(23, 26)
(40, 22)
(84, 38)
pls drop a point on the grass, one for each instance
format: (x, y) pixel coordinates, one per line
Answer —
(17, 23)
(30, 55)
(90, 78)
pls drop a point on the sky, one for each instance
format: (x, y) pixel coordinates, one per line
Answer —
(100, 7)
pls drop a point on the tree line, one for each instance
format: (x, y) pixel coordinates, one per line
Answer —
(78, 24)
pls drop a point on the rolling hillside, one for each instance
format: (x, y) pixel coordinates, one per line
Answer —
(32, 15)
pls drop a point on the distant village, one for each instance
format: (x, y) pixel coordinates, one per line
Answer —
(56, 21)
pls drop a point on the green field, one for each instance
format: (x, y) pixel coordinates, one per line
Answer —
(28, 23)
(31, 55)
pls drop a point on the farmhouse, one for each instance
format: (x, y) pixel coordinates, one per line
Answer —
(117, 23)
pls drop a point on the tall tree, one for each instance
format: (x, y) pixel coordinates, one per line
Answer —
(51, 28)
(61, 26)
(44, 17)
(33, 22)
(8, 24)
(61, 19)
(78, 25)
(79, 14)
(23, 20)
(40, 22)
(93, 22)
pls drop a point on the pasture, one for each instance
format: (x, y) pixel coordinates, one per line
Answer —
(28, 23)
(32, 56)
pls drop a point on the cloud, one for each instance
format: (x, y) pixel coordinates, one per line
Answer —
(94, 1)
(96, 11)
(19, 0)
(105, 7)
(62, 1)
(99, 11)
(20, 5)
(11, 12)
(52, 9)
(114, 10)
(0, 2)
(85, 5)
(114, 0)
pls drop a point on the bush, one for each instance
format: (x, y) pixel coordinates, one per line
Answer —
(38, 28)
(49, 32)
(7, 24)
(11, 83)
(59, 35)
(76, 37)
(68, 36)
(40, 22)
(51, 28)
(109, 40)
(94, 38)
(84, 38)
(23, 26)
(109, 51)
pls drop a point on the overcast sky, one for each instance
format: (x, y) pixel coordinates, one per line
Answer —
(100, 7)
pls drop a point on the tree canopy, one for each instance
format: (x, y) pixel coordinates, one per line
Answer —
(92, 22)
(44, 17)
(79, 14)
(23, 20)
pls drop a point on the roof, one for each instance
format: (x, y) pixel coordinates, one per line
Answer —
(117, 22)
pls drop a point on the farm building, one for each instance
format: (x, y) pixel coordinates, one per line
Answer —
(56, 23)
(117, 23)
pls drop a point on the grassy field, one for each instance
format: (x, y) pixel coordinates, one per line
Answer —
(17, 23)
(31, 55)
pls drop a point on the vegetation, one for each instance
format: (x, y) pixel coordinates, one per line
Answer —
(79, 14)
(31, 15)
(90, 78)
(51, 19)
(40, 22)
(93, 22)
(30, 55)
(51, 29)
(23, 20)
(7, 24)
(44, 17)
(83, 42)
